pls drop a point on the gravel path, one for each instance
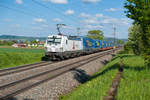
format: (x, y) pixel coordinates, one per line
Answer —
(52, 89)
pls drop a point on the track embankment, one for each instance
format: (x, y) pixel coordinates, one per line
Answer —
(113, 88)
(57, 78)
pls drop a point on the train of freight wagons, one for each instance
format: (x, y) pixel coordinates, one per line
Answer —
(60, 47)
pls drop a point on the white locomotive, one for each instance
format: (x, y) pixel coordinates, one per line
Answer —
(61, 46)
(61, 43)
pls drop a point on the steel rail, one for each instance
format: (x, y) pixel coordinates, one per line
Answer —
(34, 76)
(18, 69)
(23, 68)
(47, 72)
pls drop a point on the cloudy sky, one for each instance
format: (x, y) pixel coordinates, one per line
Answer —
(39, 17)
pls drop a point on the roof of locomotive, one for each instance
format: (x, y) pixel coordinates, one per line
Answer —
(58, 36)
(74, 38)
(79, 38)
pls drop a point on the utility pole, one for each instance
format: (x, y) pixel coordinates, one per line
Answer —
(58, 28)
(78, 31)
(114, 28)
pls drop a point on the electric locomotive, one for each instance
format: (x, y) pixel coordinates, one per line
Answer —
(59, 47)
(62, 47)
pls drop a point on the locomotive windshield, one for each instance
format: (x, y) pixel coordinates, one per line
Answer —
(53, 40)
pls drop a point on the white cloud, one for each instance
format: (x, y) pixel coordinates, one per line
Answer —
(110, 20)
(112, 9)
(84, 15)
(7, 20)
(40, 20)
(57, 1)
(19, 1)
(84, 31)
(37, 28)
(67, 27)
(91, 20)
(16, 25)
(45, 26)
(91, 1)
(57, 20)
(98, 26)
(69, 12)
(125, 21)
(93, 26)
(99, 15)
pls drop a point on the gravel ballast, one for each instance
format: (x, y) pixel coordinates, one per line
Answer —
(64, 83)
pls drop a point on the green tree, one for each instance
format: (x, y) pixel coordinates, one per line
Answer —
(120, 42)
(26, 42)
(139, 11)
(135, 39)
(95, 34)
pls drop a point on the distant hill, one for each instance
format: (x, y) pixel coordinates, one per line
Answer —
(23, 38)
(112, 39)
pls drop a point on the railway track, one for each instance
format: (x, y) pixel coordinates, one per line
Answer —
(17, 69)
(13, 88)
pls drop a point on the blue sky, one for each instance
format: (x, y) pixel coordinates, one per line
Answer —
(39, 17)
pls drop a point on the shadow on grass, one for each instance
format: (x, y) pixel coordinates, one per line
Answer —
(82, 77)
(113, 67)
(116, 66)
(123, 56)
(138, 68)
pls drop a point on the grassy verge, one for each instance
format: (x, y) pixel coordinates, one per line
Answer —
(135, 84)
(10, 57)
(97, 86)
(21, 50)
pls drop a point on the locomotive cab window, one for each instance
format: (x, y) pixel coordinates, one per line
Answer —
(54, 40)
(66, 41)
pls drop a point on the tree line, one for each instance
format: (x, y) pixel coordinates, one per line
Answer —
(139, 33)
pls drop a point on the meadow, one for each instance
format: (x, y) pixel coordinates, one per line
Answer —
(11, 57)
(97, 85)
(134, 84)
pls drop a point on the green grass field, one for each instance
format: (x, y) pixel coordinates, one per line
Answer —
(97, 86)
(11, 57)
(134, 84)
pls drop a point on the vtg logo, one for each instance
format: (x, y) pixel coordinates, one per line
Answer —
(89, 43)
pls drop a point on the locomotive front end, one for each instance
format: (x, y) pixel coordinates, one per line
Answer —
(53, 46)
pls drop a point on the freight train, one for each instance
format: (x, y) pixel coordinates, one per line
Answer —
(59, 47)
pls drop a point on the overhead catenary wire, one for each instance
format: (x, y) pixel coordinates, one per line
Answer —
(18, 10)
(33, 14)
(21, 12)
(56, 10)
